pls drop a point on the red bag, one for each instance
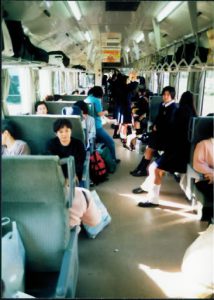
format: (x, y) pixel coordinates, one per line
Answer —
(98, 171)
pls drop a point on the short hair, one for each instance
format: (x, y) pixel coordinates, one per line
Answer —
(60, 123)
(97, 91)
(169, 89)
(38, 103)
(9, 126)
(83, 106)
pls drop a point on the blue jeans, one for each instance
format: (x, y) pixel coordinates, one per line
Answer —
(103, 137)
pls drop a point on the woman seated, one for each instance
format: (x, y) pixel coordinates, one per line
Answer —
(10, 145)
(41, 108)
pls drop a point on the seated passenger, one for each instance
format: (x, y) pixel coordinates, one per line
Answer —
(89, 122)
(162, 131)
(203, 162)
(75, 92)
(11, 146)
(176, 155)
(64, 145)
(41, 108)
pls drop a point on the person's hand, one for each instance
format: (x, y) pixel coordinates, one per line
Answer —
(209, 177)
(105, 112)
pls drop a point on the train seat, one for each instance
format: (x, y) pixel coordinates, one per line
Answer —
(38, 130)
(154, 104)
(55, 107)
(34, 196)
(198, 131)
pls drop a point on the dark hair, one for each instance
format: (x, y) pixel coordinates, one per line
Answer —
(9, 126)
(49, 98)
(83, 106)
(187, 100)
(90, 91)
(97, 91)
(169, 89)
(60, 123)
(38, 103)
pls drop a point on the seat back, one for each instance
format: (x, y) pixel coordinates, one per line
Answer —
(73, 97)
(33, 195)
(154, 105)
(55, 107)
(200, 129)
(38, 130)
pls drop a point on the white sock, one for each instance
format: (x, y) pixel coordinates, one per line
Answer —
(153, 195)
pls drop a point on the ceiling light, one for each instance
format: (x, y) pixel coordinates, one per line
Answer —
(166, 11)
(87, 36)
(128, 49)
(139, 37)
(75, 9)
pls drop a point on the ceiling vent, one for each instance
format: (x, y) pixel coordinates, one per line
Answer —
(122, 6)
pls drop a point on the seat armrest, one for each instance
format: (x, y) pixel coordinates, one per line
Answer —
(71, 176)
(68, 276)
(85, 182)
(194, 174)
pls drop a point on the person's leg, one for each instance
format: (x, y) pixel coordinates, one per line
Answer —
(141, 169)
(105, 138)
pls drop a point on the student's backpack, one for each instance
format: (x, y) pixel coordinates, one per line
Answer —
(98, 171)
(106, 155)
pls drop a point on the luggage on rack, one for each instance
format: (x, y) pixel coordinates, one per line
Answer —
(22, 46)
(58, 58)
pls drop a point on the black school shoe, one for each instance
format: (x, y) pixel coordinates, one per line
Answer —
(139, 173)
(138, 190)
(147, 204)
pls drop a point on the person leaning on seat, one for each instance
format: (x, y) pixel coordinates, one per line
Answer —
(203, 162)
(10, 145)
(95, 95)
(64, 145)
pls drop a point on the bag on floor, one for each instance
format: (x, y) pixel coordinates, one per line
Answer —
(106, 155)
(13, 262)
(93, 231)
(98, 170)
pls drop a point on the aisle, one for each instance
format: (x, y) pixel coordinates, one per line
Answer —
(130, 258)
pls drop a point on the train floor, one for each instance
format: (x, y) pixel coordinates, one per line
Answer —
(139, 255)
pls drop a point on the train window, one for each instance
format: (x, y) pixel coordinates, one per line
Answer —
(57, 83)
(90, 80)
(82, 80)
(14, 96)
(182, 84)
(165, 79)
(153, 84)
(207, 106)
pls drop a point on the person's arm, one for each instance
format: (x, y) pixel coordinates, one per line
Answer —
(98, 108)
(200, 163)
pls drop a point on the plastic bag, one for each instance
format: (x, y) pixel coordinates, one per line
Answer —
(13, 262)
(93, 231)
